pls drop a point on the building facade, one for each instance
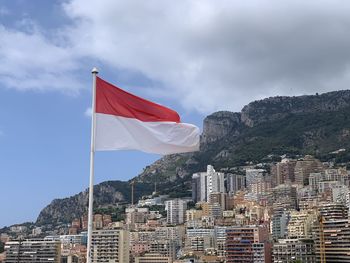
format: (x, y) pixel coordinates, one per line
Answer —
(110, 245)
(292, 250)
(176, 211)
(33, 251)
(203, 184)
(248, 244)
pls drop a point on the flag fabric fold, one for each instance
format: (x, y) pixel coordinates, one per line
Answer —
(127, 122)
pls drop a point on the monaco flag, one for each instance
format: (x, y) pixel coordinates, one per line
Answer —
(127, 122)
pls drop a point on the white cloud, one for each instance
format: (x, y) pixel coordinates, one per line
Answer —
(208, 55)
(30, 61)
(88, 112)
(213, 55)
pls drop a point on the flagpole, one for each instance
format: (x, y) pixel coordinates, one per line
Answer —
(92, 157)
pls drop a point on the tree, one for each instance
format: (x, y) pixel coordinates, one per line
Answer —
(1, 247)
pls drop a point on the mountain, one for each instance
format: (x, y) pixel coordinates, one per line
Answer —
(315, 124)
(106, 194)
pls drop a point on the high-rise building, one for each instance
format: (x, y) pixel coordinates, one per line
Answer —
(286, 194)
(261, 186)
(300, 224)
(336, 233)
(235, 182)
(220, 240)
(304, 167)
(33, 251)
(285, 171)
(248, 244)
(176, 211)
(199, 187)
(314, 179)
(254, 176)
(203, 184)
(279, 221)
(273, 173)
(223, 199)
(294, 250)
(110, 245)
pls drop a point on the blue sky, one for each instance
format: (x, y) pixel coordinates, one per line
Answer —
(196, 56)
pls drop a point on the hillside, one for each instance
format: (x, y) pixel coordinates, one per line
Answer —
(316, 124)
(106, 194)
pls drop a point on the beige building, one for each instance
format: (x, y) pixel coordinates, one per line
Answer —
(300, 224)
(304, 167)
(98, 221)
(153, 258)
(193, 214)
(110, 245)
(212, 210)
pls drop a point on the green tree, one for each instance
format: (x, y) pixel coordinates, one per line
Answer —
(1, 247)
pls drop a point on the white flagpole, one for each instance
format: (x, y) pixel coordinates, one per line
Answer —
(92, 157)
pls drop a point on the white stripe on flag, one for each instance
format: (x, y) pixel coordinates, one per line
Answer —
(120, 133)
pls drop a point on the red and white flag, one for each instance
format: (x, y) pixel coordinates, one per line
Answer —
(127, 122)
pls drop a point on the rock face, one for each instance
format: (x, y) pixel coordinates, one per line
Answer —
(60, 210)
(219, 125)
(314, 125)
(275, 108)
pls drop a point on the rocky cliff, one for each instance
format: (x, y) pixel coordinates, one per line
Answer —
(276, 108)
(316, 124)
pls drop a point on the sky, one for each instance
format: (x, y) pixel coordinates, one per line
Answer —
(195, 56)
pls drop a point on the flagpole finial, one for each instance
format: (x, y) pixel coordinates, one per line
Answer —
(94, 70)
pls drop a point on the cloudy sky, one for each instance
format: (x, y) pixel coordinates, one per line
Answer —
(196, 56)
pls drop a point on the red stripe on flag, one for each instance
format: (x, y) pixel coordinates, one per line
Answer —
(115, 101)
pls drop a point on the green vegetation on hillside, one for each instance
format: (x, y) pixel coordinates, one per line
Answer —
(297, 134)
(2, 245)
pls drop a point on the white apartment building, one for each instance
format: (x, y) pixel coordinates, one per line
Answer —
(205, 183)
(176, 211)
